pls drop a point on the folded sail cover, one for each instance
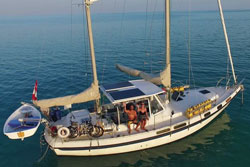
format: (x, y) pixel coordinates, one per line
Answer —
(160, 79)
(92, 93)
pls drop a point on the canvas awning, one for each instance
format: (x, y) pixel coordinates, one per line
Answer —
(90, 94)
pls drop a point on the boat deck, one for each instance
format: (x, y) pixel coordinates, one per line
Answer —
(195, 96)
(191, 97)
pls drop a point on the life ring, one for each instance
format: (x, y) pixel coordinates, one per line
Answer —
(63, 132)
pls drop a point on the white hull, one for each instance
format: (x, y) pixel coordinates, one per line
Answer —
(167, 138)
(140, 141)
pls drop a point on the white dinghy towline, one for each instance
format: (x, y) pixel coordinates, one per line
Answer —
(22, 123)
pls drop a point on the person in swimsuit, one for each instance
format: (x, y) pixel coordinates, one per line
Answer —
(143, 116)
(132, 116)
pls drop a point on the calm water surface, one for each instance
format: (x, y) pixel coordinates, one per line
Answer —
(50, 50)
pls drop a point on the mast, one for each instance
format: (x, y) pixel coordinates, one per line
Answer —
(92, 49)
(227, 41)
(90, 94)
(167, 34)
(91, 41)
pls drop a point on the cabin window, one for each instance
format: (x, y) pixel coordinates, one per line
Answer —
(155, 106)
(163, 131)
(176, 96)
(162, 97)
(229, 99)
(219, 107)
(204, 91)
(180, 126)
(207, 114)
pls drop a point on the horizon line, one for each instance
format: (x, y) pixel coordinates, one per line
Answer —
(95, 13)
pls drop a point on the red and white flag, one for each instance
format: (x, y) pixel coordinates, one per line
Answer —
(34, 94)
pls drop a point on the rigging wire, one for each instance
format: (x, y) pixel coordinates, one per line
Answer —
(85, 53)
(40, 57)
(146, 40)
(71, 22)
(228, 73)
(123, 16)
(86, 45)
(149, 41)
(121, 27)
(160, 62)
(104, 66)
(190, 68)
(71, 38)
(163, 61)
(150, 36)
(87, 60)
(228, 77)
(105, 53)
(189, 52)
(160, 55)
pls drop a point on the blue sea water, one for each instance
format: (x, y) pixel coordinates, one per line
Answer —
(55, 52)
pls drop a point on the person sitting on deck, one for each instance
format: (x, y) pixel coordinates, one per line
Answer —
(143, 116)
(132, 116)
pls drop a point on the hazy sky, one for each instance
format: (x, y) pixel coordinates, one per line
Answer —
(48, 7)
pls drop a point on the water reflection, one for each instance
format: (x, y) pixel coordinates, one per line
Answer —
(203, 137)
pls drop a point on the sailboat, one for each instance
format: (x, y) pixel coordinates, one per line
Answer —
(172, 113)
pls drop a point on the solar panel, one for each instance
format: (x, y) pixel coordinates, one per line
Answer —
(126, 94)
(109, 87)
